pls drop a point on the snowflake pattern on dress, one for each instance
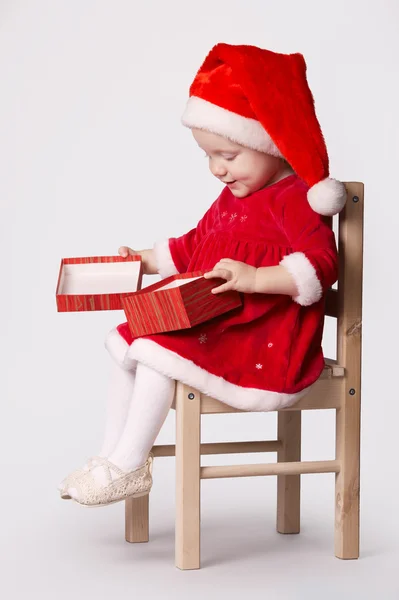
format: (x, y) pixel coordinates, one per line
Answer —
(203, 338)
(224, 214)
(232, 217)
(270, 345)
(259, 366)
(243, 218)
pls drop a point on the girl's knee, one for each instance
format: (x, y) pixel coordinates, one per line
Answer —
(117, 348)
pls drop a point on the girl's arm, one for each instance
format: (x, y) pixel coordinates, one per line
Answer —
(275, 280)
(313, 262)
(248, 279)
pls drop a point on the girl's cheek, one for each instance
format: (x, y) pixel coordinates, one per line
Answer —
(236, 172)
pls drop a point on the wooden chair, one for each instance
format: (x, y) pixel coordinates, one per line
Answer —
(338, 388)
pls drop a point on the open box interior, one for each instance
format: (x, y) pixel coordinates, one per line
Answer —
(99, 278)
(176, 283)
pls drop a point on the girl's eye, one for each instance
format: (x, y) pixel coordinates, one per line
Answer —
(225, 157)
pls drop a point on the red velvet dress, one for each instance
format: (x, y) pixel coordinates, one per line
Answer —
(265, 354)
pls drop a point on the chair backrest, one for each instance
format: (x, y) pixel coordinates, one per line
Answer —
(345, 303)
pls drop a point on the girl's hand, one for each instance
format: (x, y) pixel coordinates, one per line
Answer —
(239, 276)
(147, 258)
(126, 251)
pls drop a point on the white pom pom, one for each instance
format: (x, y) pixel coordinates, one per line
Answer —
(327, 197)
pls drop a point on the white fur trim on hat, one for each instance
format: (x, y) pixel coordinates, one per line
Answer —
(163, 258)
(327, 197)
(176, 367)
(305, 277)
(201, 114)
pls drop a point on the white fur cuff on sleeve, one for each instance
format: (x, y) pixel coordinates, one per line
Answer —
(165, 265)
(305, 277)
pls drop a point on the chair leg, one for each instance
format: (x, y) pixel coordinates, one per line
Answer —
(188, 477)
(347, 485)
(136, 519)
(289, 486)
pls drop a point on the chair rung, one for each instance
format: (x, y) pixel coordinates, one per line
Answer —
(223, 448)
(286, 468)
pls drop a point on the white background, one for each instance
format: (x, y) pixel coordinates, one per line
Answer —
(93, 156)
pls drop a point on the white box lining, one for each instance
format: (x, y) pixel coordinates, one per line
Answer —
(177, 283)
(99, 278)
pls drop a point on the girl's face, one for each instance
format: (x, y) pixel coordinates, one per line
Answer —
(243, 170)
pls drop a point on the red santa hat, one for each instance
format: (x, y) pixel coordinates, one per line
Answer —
(261, 99)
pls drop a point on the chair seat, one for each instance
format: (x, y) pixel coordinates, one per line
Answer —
(325, 393)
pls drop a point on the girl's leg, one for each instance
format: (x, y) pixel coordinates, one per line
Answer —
(119, 393)
(149, 406)
(151, 401)
(120, 390)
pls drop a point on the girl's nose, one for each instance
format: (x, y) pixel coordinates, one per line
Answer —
(217, 169)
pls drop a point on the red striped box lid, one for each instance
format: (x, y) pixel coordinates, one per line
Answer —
(177, 302)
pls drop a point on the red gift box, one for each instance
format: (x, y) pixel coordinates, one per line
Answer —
(97, 282)
(177, 302)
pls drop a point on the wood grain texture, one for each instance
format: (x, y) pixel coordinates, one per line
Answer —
(325, 394)
(163, 450)
(137, 519)
(188, 481)
(289, 486)
(349, 348)
(259, 470)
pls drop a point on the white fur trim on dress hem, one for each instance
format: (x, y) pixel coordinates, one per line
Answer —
(163, 258)
(176, 367)
(201, 114)
(117, 348)
(305, 277)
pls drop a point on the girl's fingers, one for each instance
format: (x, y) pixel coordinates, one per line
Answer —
(223, 288)
(221, 273)
(125, 251)
(210, 275)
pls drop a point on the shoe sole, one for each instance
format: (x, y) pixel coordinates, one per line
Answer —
(109, 503)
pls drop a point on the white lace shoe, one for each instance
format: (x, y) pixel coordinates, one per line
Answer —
(87, 491)
(67, 482)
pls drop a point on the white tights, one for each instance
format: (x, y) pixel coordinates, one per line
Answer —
(137, 406)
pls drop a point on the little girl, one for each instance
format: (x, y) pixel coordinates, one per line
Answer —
(251, 111)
